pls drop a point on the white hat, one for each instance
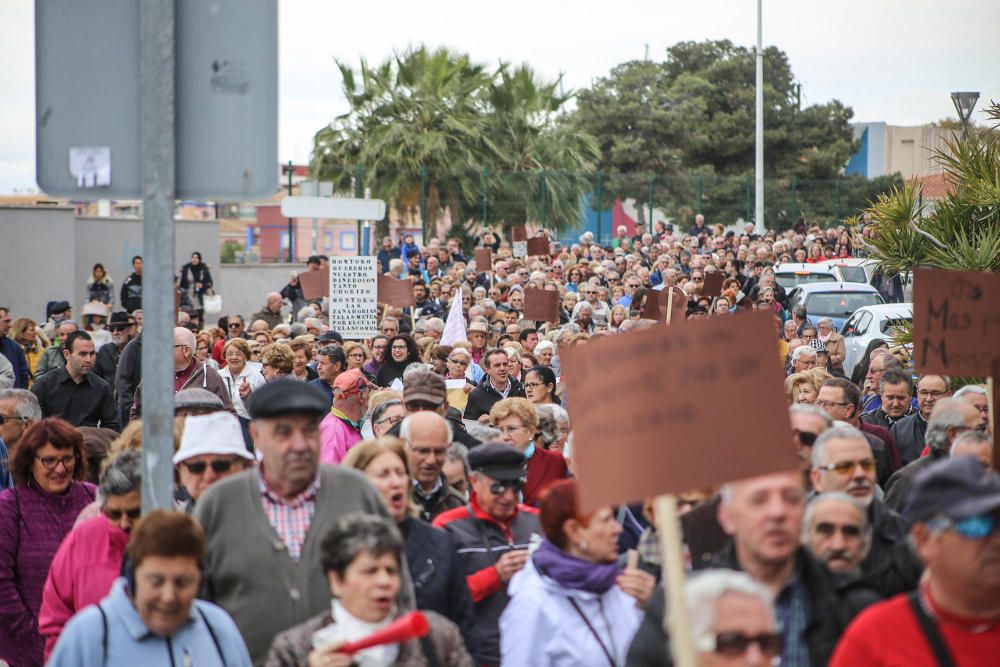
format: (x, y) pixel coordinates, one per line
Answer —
(214, 433)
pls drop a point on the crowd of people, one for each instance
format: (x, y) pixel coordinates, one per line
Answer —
(325, 487)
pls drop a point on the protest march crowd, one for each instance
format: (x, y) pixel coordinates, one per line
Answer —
(327, 487)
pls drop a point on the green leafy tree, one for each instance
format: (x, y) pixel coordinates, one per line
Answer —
(432, 122)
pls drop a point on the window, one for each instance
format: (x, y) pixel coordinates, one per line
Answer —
(840, 304)
(348, 240)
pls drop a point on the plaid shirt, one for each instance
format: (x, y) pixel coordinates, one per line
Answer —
(290, 518)
(792, 609)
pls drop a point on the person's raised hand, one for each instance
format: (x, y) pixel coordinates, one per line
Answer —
(510, 563)
(244, 388)
(329, 657)
(637, 583)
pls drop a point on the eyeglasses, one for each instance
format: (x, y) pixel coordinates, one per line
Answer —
(805, 437)
(393, 420)
(847, 467)
(826, 404)
(4, 419)
(532, 385)
(417, 406)
(199, 467)
(931, 394)
(50, 462)
(976, 527)
(399, 348)
(735, 644)
(460, 362)
(116, 515)
(507, 430)
(498, 488)
(357, 355)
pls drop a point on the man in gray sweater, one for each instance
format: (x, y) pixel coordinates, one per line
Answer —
(263, 527)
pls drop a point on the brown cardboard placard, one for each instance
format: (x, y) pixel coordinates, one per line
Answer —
(678, 397)
(484, 259)
(713, 284)
(395, 292)
(538, 246)
(541, 305)
(519, 233)
(653, 307)
(956, 321)
(314, 284)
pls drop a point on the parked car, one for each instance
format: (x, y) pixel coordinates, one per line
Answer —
(790, 274)
(867, 324)
(852, 269)
(835, 300)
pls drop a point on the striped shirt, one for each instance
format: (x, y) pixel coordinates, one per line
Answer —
(290, 518)
(792, 610)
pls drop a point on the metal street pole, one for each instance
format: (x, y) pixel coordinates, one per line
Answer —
(158, 155)
(291, 229)
(759, 157)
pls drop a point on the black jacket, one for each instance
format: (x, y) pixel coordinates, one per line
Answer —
(88, 403)
(106, 363)
(128, 376)
(833, 603)
(891, 567)
(132, 293)
(444, 499)
(483, 397)
(897, 489)
(438, 580)
(910, 433)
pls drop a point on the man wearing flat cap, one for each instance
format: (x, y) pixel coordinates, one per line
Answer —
(953, 617)
(492, 534)
(263, 526)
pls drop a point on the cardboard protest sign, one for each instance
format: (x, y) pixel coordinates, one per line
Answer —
(519, 233)
(994, 397)
(657, 301)
(484, 259)
(314, 284)
(651, 307)
(956, 321)
(353, 296)
(395, 292)
(538, 246)
(713, 284)
(541, 305)
(677, 413)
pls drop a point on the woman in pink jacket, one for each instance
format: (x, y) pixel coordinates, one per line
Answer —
(90, 558)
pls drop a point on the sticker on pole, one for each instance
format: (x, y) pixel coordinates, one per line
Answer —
(90, 166)
(354, 296)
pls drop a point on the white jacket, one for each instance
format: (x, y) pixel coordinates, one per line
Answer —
(540, 627)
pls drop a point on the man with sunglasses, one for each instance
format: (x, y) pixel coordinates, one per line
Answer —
(122, 328)
(953, 617)
(212, 449)
(841, 399)
(492, 534)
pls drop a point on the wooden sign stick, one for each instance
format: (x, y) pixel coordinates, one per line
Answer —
(676, 620)
(670, 303)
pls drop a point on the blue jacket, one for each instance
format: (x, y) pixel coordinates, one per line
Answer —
(15, 355)
(112, 633)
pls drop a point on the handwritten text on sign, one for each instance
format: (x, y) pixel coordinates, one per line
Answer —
(956, 321)
(354, 296)
(687, 407)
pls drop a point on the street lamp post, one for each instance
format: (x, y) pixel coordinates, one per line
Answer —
(759, 130)
(964, 104)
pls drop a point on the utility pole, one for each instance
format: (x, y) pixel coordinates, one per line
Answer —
(291, 230)
(759, 152)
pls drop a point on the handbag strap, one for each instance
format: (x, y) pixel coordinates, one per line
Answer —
(607, 653)
(931, 632)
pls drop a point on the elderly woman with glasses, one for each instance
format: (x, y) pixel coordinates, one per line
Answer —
(89, 560)
(355, 354)
(517, 421)
(35, 516)
(457, 366)
(362, 557)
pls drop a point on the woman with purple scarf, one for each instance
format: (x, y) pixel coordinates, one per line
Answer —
(573, 604)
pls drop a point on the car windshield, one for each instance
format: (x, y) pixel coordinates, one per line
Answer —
(897, 323)
(853, 274)
(791, 279)
(839, 304)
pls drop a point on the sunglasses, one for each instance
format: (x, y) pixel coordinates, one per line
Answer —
(116, 515)
(199, 467)
(735, 644)
(847, 467)
(417, 406)
(498, 488)
(460, 362)
(976, 527)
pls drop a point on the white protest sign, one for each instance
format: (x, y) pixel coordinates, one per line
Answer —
(354, 296)
(519, 248)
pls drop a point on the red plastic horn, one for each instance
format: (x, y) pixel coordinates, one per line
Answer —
(403, 629)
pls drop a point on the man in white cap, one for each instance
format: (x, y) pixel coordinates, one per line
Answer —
(212, 448)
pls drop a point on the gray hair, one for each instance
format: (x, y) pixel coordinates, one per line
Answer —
(839, 431)
(968, 390)
(297, 329)
(483, 432)
(415, 367)
(27, 406)
(461, 350)
(549, 417)
(122, 475)
(947, 414)
(355, 533)
(488, 303)
(314, 322)
(435, 323)
(803, 351)
(404, 430)
(972, 438)
(825, 322)
(841, 497)
(703, 591)
(459, 452)
(812, 411)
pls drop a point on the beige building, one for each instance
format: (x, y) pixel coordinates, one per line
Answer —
(887, 149)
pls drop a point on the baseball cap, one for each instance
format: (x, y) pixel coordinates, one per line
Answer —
(329, 337)
(499, 461)
(424, 386)
(957, 488)
(216, 433)
(350, 382)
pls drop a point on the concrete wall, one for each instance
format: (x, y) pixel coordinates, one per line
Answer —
(244, 287)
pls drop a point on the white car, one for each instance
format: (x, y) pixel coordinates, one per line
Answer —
(791, 274)
(869, 323)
